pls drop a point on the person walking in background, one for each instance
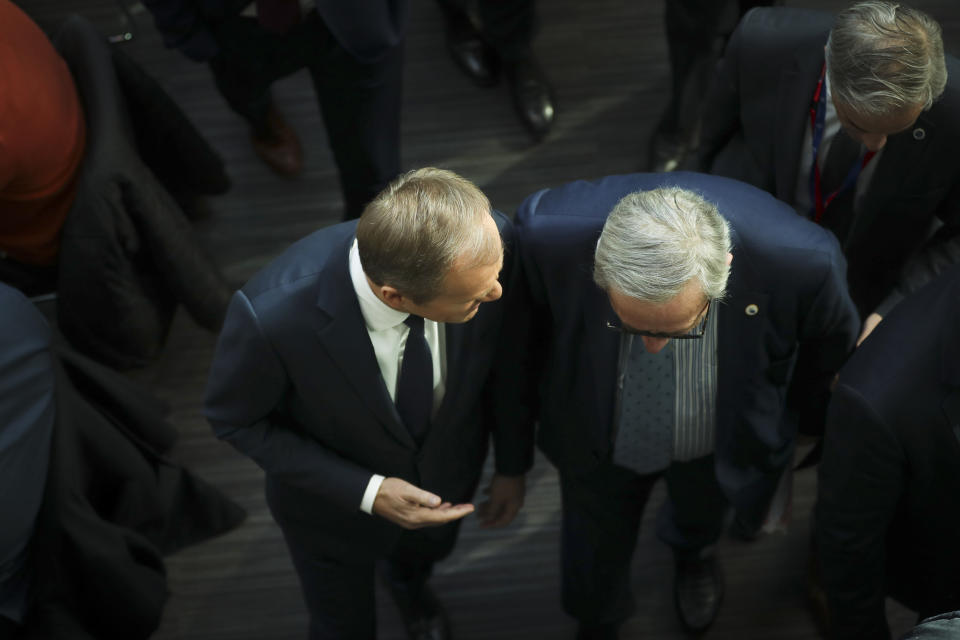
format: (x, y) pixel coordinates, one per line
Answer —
(852, 121)
(354, 52)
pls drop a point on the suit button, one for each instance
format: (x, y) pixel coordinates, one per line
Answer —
(751, 310)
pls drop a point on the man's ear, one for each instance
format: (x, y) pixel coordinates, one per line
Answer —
(393, 298)
(729, 258)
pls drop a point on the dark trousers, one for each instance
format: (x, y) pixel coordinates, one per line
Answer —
(359, 101)
(339, 592)
(692, 29)
(507, 25)
(601, 519)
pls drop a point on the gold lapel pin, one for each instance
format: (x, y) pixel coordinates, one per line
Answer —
(751, 310)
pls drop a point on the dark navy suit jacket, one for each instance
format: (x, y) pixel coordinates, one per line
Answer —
(296, 386)
(754, 121)
(888, 514)
(804, 327)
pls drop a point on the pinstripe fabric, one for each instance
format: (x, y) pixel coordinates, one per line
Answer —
(696, 393)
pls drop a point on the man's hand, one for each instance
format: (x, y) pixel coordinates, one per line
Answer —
(412, 508)
(505, 499)
(869, 325)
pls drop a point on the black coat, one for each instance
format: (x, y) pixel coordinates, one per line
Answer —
(888, 516)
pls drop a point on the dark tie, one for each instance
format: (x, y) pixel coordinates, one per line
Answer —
(278, 16)
(415, 384)
(843, 154)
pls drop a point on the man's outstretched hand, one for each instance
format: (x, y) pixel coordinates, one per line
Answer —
(413, 508)
(505, 499)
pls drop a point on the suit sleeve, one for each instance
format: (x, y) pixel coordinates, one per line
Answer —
(27, 413)
(828, 335)
(860, 482)
(721, 106)
(512, 417)
(245, 393)
(183, 27)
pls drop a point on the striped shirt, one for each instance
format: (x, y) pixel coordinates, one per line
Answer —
(695, 390)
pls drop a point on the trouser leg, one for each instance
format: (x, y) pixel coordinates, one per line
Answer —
(339, 596)
(692, 516)
(360, 103)
(601, 519)
(250, 60)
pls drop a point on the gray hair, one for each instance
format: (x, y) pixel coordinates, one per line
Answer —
(883, 57)
(414, 231)
(655, 242)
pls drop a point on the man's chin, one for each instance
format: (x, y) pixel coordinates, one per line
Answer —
(469, 316)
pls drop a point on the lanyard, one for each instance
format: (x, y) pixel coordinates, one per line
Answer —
(818, 110)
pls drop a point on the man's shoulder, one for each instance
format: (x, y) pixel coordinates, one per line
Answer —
(303, 264)
(913, 348)
(773, 30)
(785, 22)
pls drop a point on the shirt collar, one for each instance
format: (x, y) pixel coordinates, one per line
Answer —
(376, 313)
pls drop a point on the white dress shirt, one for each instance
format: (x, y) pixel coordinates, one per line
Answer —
(388, 335)
(831, 125)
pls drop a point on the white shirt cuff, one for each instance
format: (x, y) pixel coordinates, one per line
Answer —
(366, 505)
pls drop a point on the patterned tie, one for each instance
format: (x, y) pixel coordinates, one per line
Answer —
(415, 385)
(644, 441)
(278, 16)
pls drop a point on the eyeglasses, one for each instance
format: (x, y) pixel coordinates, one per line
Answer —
(693, 334)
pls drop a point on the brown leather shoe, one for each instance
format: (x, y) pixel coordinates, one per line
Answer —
(279, 145)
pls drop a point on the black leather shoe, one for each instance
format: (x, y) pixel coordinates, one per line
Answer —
(469, 51)
(423, 615)
(697, 590)
(532, 95)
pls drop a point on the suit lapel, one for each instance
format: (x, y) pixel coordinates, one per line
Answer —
(740, 320)
(797, 84)
(901, 158)
(342, 333)
(604, 346)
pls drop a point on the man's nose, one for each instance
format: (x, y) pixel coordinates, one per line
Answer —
(654, 345)
(494, 293)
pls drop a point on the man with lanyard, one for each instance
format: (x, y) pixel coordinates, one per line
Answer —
(850, 123)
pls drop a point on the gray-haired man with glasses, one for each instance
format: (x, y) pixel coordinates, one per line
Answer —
(673, 311)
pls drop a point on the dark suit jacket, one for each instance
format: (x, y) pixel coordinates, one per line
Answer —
(888, 515)
(295, 385)
(755, 117)
(791, 269)
(365, 28)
